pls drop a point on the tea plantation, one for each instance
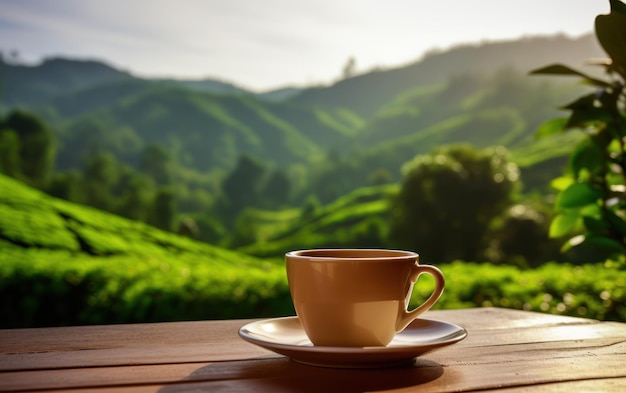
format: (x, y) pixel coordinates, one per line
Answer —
(66, 264)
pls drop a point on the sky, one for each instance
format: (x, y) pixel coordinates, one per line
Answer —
(266, 44)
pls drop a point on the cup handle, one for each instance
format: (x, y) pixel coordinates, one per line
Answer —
(406, 317)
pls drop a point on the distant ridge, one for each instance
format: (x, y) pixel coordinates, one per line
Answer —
(26, 85)
(357, 93)
(389, 115)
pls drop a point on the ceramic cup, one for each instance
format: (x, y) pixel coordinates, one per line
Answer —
(356, 297)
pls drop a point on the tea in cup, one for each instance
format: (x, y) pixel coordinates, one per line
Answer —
(356, 297)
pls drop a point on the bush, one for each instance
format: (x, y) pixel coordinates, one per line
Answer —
(593, 291)
(56, 288)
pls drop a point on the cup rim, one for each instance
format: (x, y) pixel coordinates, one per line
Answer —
(375, 254)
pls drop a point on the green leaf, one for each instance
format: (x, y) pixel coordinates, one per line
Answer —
(591, 211)
(561, 183)
(603, 243)
(578, 195)
(587, 155)
(598, 242)
(551, 127)
(611, 33)
(595, 225)
(585, 111)
(616, 222)
(560, 69)
(618, 6)
(573, 242)
(563, 223)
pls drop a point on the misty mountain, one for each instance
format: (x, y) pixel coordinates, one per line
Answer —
(25, 85)
(30, 85)
(365, 94)
(480, 94)
(208, 86)
(206, 131)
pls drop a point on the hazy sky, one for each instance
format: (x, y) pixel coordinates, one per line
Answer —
(264, 44)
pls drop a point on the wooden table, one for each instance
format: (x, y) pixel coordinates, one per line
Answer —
(506, 350)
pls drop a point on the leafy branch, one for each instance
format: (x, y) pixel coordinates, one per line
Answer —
(593, 197)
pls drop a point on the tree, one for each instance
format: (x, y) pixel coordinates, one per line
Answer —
(242, 186)
(246, 229)
(379, 176)
(100, 175)
(36, 146)
(349, 69)
(157, 163)
(92, 134)
(9, 153)
(370, 233)
(520, 237)
(66, 185)
(163, 214)
(591, 203)
(310, 206)
(448, 200)
(277, 189)
(137, 197)
(210, 229)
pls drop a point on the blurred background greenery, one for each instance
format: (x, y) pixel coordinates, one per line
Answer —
(132, 200)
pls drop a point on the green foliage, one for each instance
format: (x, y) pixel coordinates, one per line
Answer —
(137, 198)
(596, 196)
(310, 206)
(210, 230)
(276, 190)
(358, 219)
(411, 110)
(92, 134)
(24, 85)
(48, 288)
(100, 175)
(62, 263)
(590, 291)
(158, 164)
(448, 200)
(65, 264)
(35, 146)
(502, 108)
(9, 153)
(163, 213)
(32, 225)
(51, 288)
(519, 237)
(243, 185)
(205, 133)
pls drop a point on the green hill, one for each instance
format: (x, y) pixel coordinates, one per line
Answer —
(353, 220)
(367, 93)
(479, 94)
(209, 130)
(325, 141)
(65, 264)
(505, 108)
(25, 85)
(62, 263)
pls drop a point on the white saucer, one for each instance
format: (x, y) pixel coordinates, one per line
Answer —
(286, 337)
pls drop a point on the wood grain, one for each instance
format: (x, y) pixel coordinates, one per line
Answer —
(505, 349)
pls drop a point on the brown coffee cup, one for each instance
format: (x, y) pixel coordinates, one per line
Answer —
(356, 297)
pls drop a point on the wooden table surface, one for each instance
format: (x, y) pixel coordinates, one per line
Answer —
(506, 350)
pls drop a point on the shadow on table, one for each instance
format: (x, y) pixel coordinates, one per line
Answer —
(283, 375)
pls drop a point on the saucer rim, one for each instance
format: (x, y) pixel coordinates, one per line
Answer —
(246, 334)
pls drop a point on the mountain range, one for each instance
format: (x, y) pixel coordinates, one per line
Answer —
(476, 93)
